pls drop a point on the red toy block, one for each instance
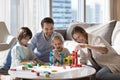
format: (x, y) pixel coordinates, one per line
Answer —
(75, 60)
(37, 74)
(64, 67)
(12, 69)
(80, 65)
(32, 70)
(57, 64)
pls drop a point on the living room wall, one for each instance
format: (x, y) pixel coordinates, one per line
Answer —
(115, 9)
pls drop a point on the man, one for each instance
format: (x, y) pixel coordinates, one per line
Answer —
(41, 42)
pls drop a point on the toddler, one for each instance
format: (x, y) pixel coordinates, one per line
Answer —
(59, 51)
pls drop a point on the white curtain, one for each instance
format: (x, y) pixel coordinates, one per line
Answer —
(115, 9)
(18, 13)
(5, 12)
(32, 12)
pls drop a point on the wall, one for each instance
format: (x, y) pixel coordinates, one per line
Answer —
(115, 9)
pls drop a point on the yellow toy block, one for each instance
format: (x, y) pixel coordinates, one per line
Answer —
(67, 60)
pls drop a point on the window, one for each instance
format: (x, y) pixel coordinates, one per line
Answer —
(61, 13)
(28, 13)
(17, 13)
(90, 11)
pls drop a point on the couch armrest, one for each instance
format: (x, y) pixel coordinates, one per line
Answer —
(8, 43)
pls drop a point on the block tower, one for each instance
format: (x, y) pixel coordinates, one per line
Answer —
(75, 60)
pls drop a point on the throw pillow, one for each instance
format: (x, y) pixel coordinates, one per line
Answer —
(116, 34)
(103, 30)
(116, 37)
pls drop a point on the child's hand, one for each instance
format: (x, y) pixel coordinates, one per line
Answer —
(34, 62)
(57, 56)
(38, 61)
(41, 62)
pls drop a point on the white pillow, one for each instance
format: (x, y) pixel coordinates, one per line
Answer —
(116, 34)
(116, 37)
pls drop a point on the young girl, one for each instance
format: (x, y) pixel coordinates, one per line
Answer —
(59, 51)
(22, 52)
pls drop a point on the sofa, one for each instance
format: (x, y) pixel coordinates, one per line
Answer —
(110, 31)
(6, 41)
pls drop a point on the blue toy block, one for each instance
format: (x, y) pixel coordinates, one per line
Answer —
(62, 57)
(51, 58)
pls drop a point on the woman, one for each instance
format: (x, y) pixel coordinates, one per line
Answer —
(101, 55)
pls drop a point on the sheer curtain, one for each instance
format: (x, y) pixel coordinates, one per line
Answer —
(5, 12)
(28, 13)
(32, 11)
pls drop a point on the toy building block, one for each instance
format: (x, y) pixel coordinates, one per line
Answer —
(47, 75)
(62, 57)
(32, 70)
(37, 74)
(47, 72)
(13, 69)
(38, 64)
(67, 60)
(75, 60)
(29, 65)
(57, 64)
(53, 70)
(51, 58)
(45, 66)
(64, 67)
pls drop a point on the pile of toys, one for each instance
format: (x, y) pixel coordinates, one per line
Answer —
(70, 60)
(65, 64)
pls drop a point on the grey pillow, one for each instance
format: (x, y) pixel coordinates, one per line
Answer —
(105, 30)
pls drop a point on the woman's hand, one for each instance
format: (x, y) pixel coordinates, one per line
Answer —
(101, 49)
(80, 46)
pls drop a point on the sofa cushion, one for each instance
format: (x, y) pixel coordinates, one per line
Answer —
(104, 30)
(116, 34)
(116, 37)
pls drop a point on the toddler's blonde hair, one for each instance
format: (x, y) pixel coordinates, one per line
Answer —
(58, 37)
